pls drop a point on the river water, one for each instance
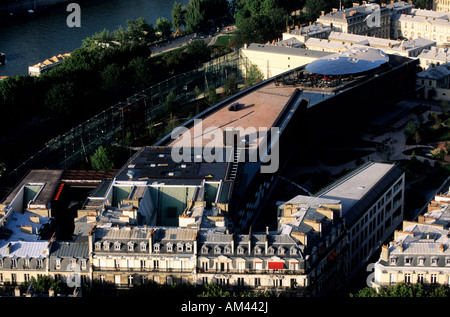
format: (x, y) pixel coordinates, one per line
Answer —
(32, 39)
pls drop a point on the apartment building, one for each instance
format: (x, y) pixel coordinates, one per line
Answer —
(372, 199)
(441, 6)
(419, 252)
(435, 82)
(369, 19)
(428, 24)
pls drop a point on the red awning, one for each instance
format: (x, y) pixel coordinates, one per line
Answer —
(275, 265)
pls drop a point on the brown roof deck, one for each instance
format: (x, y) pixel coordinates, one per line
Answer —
(259, 109)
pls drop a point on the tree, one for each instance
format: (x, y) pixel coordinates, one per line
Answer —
(111, 77)
(101, 159)
(313, 8)
(164, 27)
(402, 290)
(254, 75)
(177, 16)
(211, 95)
(439, 153)
(214, 290)
(410, 129)
(194, 16)
(59, 99)
(171, 102)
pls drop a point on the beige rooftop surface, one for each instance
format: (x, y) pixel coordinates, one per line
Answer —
(259, 110)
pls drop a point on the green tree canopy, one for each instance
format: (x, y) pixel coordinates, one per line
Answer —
(101, 159)
(402, 290)
(164, 27)
(177, 16)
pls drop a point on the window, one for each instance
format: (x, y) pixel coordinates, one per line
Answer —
(434, 261)
(98, 246)
(143, 262)
(180, 247)
(407, 278)
(116, 264)
(26, 263)
(117, 245)
(419, 278)
(156, 248)
(408, 261)
(169, 247)
(433, 278)
(130, 246)
(217, 250)
(257, 281)
(188, 247)
(421, 261)
(393, 261)
(143, 246)
(205, 249)
(83, 264)
(106, 246)
(392, 278)
(58, 263)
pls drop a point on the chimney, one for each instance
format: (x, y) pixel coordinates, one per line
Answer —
(245, 45)
(322, 13)
(441, 247)
(385, 252)
(8, 248)
(400, 247)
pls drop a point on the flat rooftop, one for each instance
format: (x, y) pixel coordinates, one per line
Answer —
(354, 189)
(156, 164)
(48, 178)
(257, 110)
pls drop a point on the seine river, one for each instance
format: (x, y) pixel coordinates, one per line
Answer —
(32, 39)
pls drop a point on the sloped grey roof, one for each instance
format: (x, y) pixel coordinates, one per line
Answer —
(25, 249)
(69, 249)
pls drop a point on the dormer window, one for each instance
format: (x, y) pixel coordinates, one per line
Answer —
(228, 249)
(130, 246)
(421, 261)
(258, 250)
(143, 246)
(205, 249)
(156, 247)
(217, 249)
(281, 251)
(117, 245)
(271, 250)
(188, 247)
(180, 247)
(240, 250)
(434, 261)
(106, 246)
(98, 246)
(293, 250)
(57, 263)
(393, 261)
(169, 247)
(408, 261)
